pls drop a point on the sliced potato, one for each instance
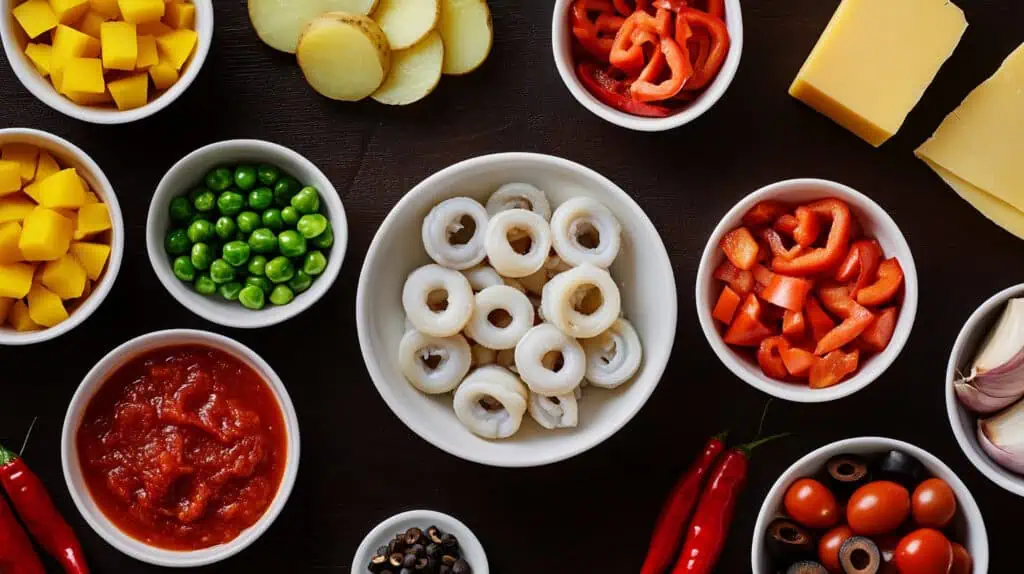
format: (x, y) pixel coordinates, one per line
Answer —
(415, 72)
(344, 56)
(467, 32)
(406, 22)
(279, 23)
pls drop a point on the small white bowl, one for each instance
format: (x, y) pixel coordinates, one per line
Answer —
(70, 155)
(642, 270)
(15, 40)
(187, 174)
(472, 550)
(80, 491)
(968, 525)
(561, 46)
(875, 222)
(964, 422)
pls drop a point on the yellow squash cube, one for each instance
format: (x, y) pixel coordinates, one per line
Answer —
(131, 92)
(69, 11)
(40, 56)
(164, 74)
(15, 208)
(26, 155)
(16, 279)
(47, 166)
(92, 218)
(141, 11)
(120, 46)
(35, 17)
(180, 15)
(84, 75)
(177, 46)
(62, 189)
(10, 177)
(92, 23)
(6, 304)
(92, 256)
(45, 307)
(10, 232)
(20, 319)
(107, 8)
(148, 55)
(70, 43)
(65, 277)
(45, 235)
(154, 29)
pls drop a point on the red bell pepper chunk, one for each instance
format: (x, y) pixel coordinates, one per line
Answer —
(741, 281)
(623, 7)
(855, 319)
(627, 51)
(762, 275)
(594, 24)
(823, 258)
(605, 88)
(777, 247)
(890, 279)
(808, 226)
(746, 329)
(787, 292)
(706, 71)
(764, 213)
(861, 263)
(798, 361)
(878, 334)
(794, 325)
(726, 306)
(832, 368)
(819, 320)
(647, 89)
(786, 223)
(769, 357)
(740, 247)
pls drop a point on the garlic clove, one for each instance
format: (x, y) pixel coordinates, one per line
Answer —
(978, 402)
(998, 366)
(1002, 438)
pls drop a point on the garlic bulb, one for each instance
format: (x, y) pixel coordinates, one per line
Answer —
(1002, 438)
(997, 372)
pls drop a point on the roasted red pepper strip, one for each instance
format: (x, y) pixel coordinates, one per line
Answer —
(794, 325)
(719, 34)
(878, 334)
(777, 247)
(890, 279)
(820, 322)
(742, 282)
(596, 80)
(746, 329)
(786, 223)
(675, 514)
(855, 319)
(822, 259)
(644, 89)
(764, 213)
(833, 368)
(17, 556)
(769, 356)
(808, 227)
(725, 308)
(740, 247)
(798, 361)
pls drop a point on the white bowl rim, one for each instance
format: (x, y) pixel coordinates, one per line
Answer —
(465, 536)
(269, 315)
(362, 318)
(879, 362)
(38, 85)
(106, 283)
(159, 556)
(711, 95)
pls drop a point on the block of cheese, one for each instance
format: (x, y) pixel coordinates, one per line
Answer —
(875, 60)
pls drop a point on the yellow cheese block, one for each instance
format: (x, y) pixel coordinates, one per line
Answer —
(15, 279)
(92, 256)
(40, 55)
(10, 233)
(65, 277)
(120, 46)
(45, 235)
(6, 304)
(35, 17)
(10, 177)
(20, 319)
(44, 306)
(70, 43)
(875, 60)
(15, 208)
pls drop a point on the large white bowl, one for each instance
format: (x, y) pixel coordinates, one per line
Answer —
(472, 550)
(561, 47)
(963, 422)
(874, 221)
(187, 174)
(968, 525)
(642, 271)
(80, 491)
(70, 155)
(15, 40)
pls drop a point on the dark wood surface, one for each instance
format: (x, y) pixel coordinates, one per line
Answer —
(592, 513)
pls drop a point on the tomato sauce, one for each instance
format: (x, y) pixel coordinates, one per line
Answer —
(183, 447)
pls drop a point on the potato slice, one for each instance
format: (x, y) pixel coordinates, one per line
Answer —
(279, 23)
(414, 72)
(344, 56)
(406, 22)
(467, 32)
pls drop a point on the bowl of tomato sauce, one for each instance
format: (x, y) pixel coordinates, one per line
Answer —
(180, 447)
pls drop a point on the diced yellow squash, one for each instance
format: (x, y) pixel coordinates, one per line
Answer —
(131, 92)
(16, 279)
(35, 17)
(119, 45)
(27, 155)
(92, 23)
(147, 53)
(45, 235)
(180, 15)
(40, 56)
(20, 319)
(84, 75)
(47, 166)
(92, 256)
(164, 74)
(15, 208)
(6, 303)
(65, 277)
(70, 43)
(44, 306)
(86, 99)
(177, 46)
(69, 11)
(10, 232)
(62, 189)
(106, 7)
(141, 11)
(92, 218)
(90, 197)
(154, 29)
(10, 177)
(32, 190)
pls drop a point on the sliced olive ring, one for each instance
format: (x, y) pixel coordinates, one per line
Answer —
(847, 473)
(859, 555)
(787, 541)
(806, 567)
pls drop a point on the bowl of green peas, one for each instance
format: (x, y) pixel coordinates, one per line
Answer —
(246, 233)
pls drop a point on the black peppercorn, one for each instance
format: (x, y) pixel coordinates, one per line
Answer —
(461, 567)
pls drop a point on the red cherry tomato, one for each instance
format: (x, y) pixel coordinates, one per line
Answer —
(878, 508)
(811, 504)
(829, 545)
(961, 560)
(934, 503)
(924, 551)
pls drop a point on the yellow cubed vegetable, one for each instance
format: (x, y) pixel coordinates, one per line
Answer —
(27, 155)
(62, 189)
(16, 279)
(141, 11)
(92, 256)
(69, 11)
(70, 43)
(47, 166)
(106, 7)
(177, 46)
(180, 15)
(154, 29)
(86, 99)
(6, 303)
(20, 319)
(45, 235)
(92, 23)
(10, 177)
(15, 208)
(40, 56)
(92, 218)
(10, 232)
(44, 306)
(35, 17)
(164, 74)
(131, 92)
(90, 197)
(119, 45)
(148, 55)
(84, 75)
(65, 277)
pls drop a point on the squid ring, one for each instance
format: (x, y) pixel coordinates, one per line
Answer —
(613, 356)
(556, 412)
(434, 365)
(482, 277)
(417, 299)
(567, 301)
(445, 229)
(495, 332)
(519, 196)
(506, 227)
(491, 402)
(574, 226)
(543, 375)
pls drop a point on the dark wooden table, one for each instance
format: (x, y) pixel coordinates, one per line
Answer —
(592, 513)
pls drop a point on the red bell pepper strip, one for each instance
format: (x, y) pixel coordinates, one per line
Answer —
(675, 513)
(808, 227)
(833, 368)
(769, 356)
(717, 8)
(855, 319)
(762, 275)
(798, 361)
(627, 52)
(786, 223)
(794, 325)
(826, 258)
(740, 247)
(719, 35)
(764, 213)
(741, 281)
(878, 334)
(17, 556)
(36, 509)
(594, 25)
(746, 329)
(596, 81)
(862, 263)
(623, 7)
(725, 308)
(644, 89)
(820, 322)
(777, 247)
(890, 279)
(787, 292)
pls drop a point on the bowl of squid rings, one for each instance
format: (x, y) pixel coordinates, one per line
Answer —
(516, 309)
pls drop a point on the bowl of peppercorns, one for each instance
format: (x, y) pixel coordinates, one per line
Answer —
(420, 542)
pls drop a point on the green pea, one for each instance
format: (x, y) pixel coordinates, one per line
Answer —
(204, 285)
(280, 269)
(221, 271)
(289, 216)
(291, 244)
(225, 228)
(205, 201)
(219, 179)
(326, 239)
(183, 268)
(245, 177)
(248, 221)
(201, 256)
(312, 225)
(230, 203)
(177, 242)
(268, 174)
(284, 189)
(261, 198)
(282, 295)
(306, 201)
(262, 283)
(181, 210)
(301, 281)
(263, 240)
(200, 230)
(230, 290)
(257, 265)
(314, 263)
(236, 253)
(272, 219)
(251, 297)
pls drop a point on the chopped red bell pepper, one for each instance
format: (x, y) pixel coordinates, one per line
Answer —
(878, 334)
(819, 320)
(623, 6)
(717, 8)
(726, 306)
(808, 226)
(862, 262)
(746, 329)
(826, 258)
(764, 213)
(855, 319)
(769, 357)
(594, 24)
(597, 82)
(644, 89)
(762, 275)
(786, 223)
(890, 279)
(741, 281)
(832, 368)
(794, 325)
(787, 292)
(740, 247)
(776, 245)
(627, 53)
(719, 35)
(798, 361)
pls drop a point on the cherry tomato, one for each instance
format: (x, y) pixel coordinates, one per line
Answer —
(878, 508)
(811, 504)
(961, 560)
(828, 548)
(924, 551)
(934, 503)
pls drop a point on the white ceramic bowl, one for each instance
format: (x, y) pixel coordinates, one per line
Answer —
(561, 46)
(965, 423)
(80, 491)
(642, 270)
(969, 526)
(187, 174)
(69, 155)
(15, 40)
(472, 550)
(875, 222)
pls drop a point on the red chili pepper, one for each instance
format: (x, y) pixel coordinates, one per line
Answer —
(890, 279)
(741, 281)
(675, 513)
(769, 356)
(822, 259)
(596, 80)
(17, 556)
(719, 35)
(36, 509)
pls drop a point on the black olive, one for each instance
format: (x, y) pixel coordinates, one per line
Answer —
(413, 536)
(396, 545)
(422, 564)
(409, 560)
(859, 555)
(444, 569)
(449, 541)
(433, 550)
(461, 567)
(787, 541)
(448, 560)
(434, 534)
(378, 563)
(847, 473)
(417, 549)
(406, 571)
(806, 567)
(900, 467)
(396, 559)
